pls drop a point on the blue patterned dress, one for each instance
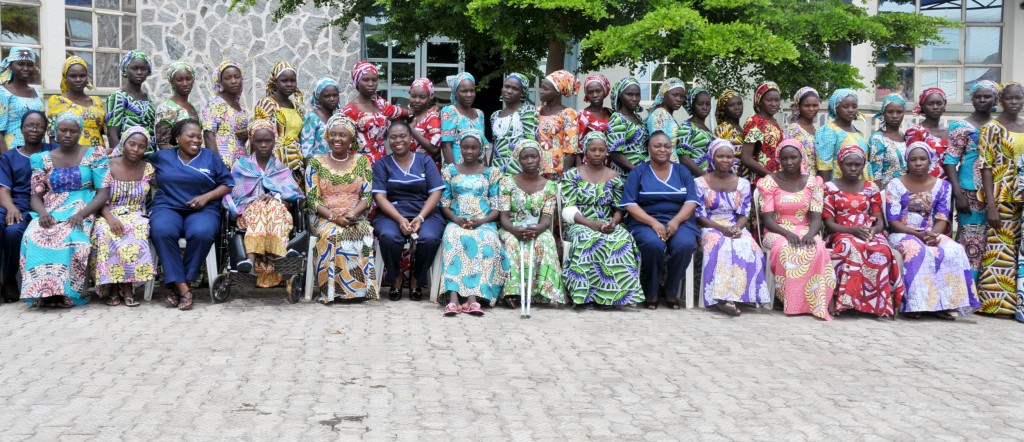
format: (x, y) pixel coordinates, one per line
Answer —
(12, 108)
(472, 258)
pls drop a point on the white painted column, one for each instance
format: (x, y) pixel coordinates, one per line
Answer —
(1013, 32)
(51, 37)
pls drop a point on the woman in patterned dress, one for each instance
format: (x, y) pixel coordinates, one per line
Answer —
(931, 104)
(594, 117)
(225, 122)
(472, 249)
(338, 193)
(670, 97)
(325, 99)
(278, 106)
(72, 98)
(806, 104)
(67, 190)
(868, 276)
(937, 273)
(602, 263)
(371, 113)
(130, 105)
(425, 120)
(556, 127)
(762, 133)
(120, 237)
(527, 205)
(460, 116)
(694, 134)
(887, 146)
(516, 121)
(791, 205)
(842, 108)
(627, 134)
(728, 111)
(16, 95)
(733, 270)
(182, 78)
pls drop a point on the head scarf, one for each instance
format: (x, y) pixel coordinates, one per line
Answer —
(987, 84)
(620, 86)
(223, 66)
(71, 61)
(798, 99)
(424, 83)
(791, 142)
(1003, 86)
(133, 55)
(135, 130)
(321, 85)
(889, 99)
(565, 82)
(599, 79)
(721, 105)
(915, 146)
(345, 122)
(173, 68)
(473, 133)
(848, 150)
(761, 90)
(521, 145)
(280, 68)
(18, 53)
(667, 85)
(454, 80)
(363, 68)
(714, 146)
(691, 97)
(524, 83)
(593, 136)
(836, 97)
(69, 116)
(261, 123)
(919, 109)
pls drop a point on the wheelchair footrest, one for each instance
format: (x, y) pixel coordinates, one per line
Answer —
(242, 279)
(290, 265)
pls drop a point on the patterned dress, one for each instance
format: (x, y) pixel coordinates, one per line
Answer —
(587, 122)
(804, 277)
(963, 153)
(886, 158)
(313, 138)
(519, 125)
(372, 126)
(997, 284)
(795, 131)
(225, 121)
(289, 129)
(558, 135)
(93, 116)
(661, 119)
(733, 269)
(827, 142)
(12, 108)
(54, 261)
(547, 273)
(167, 114)
(936, 278)
(125, 111)
(429, 126)
(472, 258)
(600, 268)
(125, 258)
(452, 125)
(628, 138)
(869, 278)
(727, 131)
(938, 145)
(693, 142)
(768, 134)
(344, 255)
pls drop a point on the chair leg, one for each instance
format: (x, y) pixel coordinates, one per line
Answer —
(435, 275)
(688, 280)
(378, 265)
(310, 271)
(147, 292)
(769, 280)
(211, 268)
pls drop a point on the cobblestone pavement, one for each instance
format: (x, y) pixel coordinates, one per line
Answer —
(257, 368)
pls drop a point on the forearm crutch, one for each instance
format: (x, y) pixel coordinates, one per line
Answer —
(529, 282)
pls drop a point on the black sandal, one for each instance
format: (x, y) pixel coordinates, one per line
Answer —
(512, 302)
(172, 299)
(395, 294)
(673, 305)
(729, 308)
(651, 305)
(416, 295)
(187, 299)
(945, 316)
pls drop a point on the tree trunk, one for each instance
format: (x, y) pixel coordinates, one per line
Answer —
(556, 55)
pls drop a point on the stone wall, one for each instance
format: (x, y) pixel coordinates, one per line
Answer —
(204, 32)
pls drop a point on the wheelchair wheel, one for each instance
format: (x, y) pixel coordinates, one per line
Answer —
(295, 288)
(221, 289)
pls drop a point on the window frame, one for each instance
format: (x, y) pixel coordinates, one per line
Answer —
(399, 94)
(38, 47)
(96, 49)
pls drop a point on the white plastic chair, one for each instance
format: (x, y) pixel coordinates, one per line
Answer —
(211, 269)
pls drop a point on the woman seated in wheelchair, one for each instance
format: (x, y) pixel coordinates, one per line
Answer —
(264, 188)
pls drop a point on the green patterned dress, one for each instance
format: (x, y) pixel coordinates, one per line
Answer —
(547, 273)
(601, 268)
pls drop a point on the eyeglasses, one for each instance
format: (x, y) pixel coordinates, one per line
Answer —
(34, 126)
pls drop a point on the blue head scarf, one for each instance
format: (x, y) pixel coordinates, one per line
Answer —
(321, 84)
(837, 96)
(17, 53)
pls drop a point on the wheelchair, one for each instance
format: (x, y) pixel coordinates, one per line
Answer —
(231, 251)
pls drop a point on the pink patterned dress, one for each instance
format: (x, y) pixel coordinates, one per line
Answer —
(124, 258)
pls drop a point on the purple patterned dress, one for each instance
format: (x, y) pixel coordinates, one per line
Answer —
(124, 258)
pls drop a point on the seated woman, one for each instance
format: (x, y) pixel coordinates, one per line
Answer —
(407, 188)
(936, 269)
(733, 263)
(791, 204)
(263, 186)
(869, 278)
(15, 192)
(67, 190)
(120, 238)
(660, 198)
(527, 205)
(472, 249)
(603, 264)
(338, 193)
(190, 183)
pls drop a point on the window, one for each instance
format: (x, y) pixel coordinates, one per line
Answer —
(436, 59)
(651, 76)
(19, 26)
(100, 31)
(968, 54)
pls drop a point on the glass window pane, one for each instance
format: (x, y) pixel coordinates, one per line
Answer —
(375, 47)
(85, 3)
(945, 79)
(903, 54)
(950, 9)
(948, 50)
(896, 6)
(20, 24)
(383, 69)
(841, 53)
(397, 53)
(402, 74)
(443, 53)
(983, 45)
(437, 75)
(128, 33)
(128, 6)
(905, 87)
(107, 4)
(78, 29)
(985, 11)
(87, 56)
(974, 75)
(108, 31)
(107, 72)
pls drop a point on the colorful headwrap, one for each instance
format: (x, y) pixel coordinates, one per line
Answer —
(521, 145)
(261, 123)
(762, 89)
(836, 97)
(524, 84)
(987, 84)
(69, 116)
(133, 55)
(473, 133)
(1003, 86)
(599, 79)
(798, 98)
(224, 65)
(173, 68)
(135, 130)
(321, 85)
(71, 61)
(848, 150)
(924, 96)
(343, 121)
(363, 68)
(620, 86)
(889, 99)
(18, 53)
(714, 146)
(667, 85)
(454, 80)
(720, 105)
(691, 97)
(424, 83)
(593, 136)
(799, 146)
(915, 146)
(280, 68)
(565, 82)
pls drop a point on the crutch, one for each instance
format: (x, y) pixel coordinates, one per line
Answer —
(526, 271)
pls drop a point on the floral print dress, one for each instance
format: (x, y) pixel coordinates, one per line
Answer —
(963, 153)
(372, 126)
(557, 135)
(886, 160)
(472, 258)
(795, 131)
(693, 143)
(12, 108)
(528, 208)
(452, 125)
(167, 114)
(94, 117)
(768, 134)
(733, 269)
(225, 122)
(429, 127)
(124, 258)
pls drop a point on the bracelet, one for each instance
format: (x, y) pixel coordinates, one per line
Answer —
(421, 218)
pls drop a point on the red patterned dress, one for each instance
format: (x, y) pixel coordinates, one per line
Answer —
(769, 134)
(429, 126)
(938, 145)
(868, 278)
(371, 126)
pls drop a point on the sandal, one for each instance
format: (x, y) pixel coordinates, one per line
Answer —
(912, 315)
(729, 308)
(112, 300)
(416, 295)
(129, 298)
(945, 316)
(512, 302)
(451, 309)
(186, 301)
(172, 299)
(651, 305)
(474, 309)
(395, 294)
(674, 305)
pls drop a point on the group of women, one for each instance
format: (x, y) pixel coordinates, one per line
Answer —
(848, 222)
